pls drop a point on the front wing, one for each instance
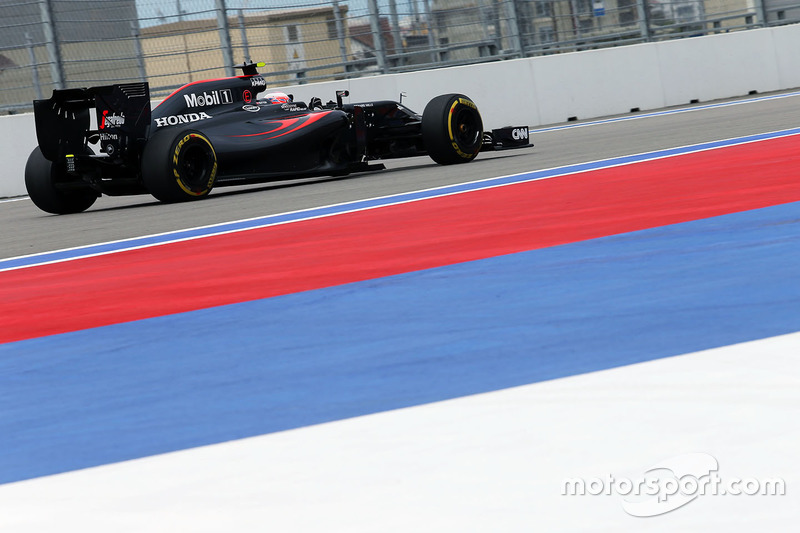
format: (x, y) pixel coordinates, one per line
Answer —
(506, 138)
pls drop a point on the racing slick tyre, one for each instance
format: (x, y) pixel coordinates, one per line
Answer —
(41, 176)
(452, 129)
(179, 167)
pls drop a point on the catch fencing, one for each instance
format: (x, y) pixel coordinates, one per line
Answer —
(49, 44)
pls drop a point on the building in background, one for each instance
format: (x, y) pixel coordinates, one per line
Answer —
(471, 29)
(296, 44)
(782, 11)
(477, 28)
(94, 39)
(362, 44)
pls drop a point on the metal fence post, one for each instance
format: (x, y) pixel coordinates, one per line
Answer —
(37, 86)
(513, 28)
(377, 35)
(137, 44)
(761, 13)
(395, 23)
(426, 5)
(644, 19)
(337, 17)
(415, 12)
(243, 36)
(225, 37)
(53, 49)
(576, 23)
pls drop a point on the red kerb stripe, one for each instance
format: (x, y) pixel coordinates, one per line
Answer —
(318, 253)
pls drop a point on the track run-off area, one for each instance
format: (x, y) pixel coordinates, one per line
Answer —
(422, 349)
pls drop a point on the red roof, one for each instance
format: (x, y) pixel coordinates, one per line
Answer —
(363, 34)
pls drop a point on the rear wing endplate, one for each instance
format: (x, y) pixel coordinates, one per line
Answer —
(64, 125)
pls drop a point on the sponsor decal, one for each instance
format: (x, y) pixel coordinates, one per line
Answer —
(290, 107)
(174, 120)
(111, 121)
(453, 142)
(109, 137)
(175, 158)
(258, 81)
(247, 96)
(519, 134)
(209, 98)
(467, 103)
(460, 152)
(251, 108)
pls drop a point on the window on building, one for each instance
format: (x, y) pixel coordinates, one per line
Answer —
(291, 33)
(544, 8)
(332, 33)
(441, 21)
(685, 13)
(627, 12)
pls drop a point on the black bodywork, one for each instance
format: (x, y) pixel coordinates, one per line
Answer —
(99, 134)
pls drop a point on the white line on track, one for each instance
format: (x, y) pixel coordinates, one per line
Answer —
(95, 250)
(664, 113)
(606, 121)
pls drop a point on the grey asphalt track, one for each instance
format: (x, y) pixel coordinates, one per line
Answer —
(26, 230)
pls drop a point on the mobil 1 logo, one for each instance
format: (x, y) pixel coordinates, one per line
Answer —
(209, 98)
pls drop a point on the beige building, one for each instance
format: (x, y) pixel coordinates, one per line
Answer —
(291, 42)
(471, 25)
(94, 48)
(724, 13)
(468, 25)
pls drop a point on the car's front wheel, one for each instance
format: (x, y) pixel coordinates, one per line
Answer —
(179, 167)
(452, 129)
(52, 190)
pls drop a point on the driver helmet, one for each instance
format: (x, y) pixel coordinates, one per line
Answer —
(277, 98)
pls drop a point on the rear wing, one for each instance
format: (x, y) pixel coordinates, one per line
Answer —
(106, 121)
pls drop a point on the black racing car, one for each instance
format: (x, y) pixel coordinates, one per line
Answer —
(107, 140)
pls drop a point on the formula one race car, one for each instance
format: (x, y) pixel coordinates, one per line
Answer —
(107, 140)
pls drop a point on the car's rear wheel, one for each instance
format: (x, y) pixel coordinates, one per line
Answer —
(179, 167)
(52, 190)
(452, 129)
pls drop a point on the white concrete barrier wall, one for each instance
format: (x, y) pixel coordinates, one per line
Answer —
(549, 89)
(17, 139)
(720, 66)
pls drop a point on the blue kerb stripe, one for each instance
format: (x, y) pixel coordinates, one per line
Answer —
(359, 205)
(667, 112)
(141, 388)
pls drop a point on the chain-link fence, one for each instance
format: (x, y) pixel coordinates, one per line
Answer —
(48, 44)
